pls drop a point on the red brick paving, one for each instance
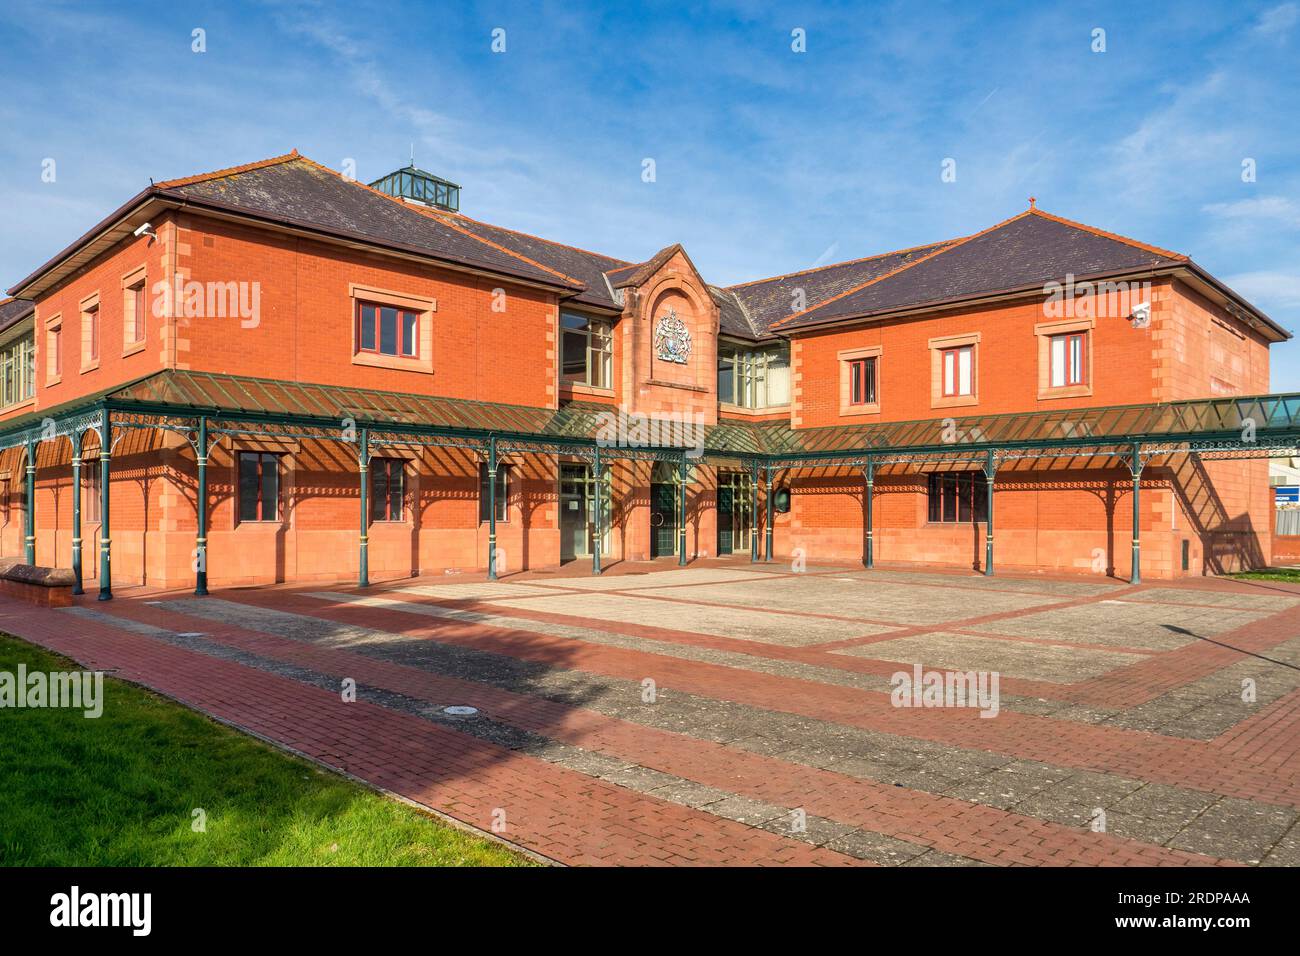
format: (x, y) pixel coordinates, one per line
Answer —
(1146, 756)
(567, 816)
(950, 825)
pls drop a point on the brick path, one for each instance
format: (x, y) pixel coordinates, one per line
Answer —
(736, 762)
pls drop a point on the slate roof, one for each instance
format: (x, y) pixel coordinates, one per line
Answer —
(1021, 254)
(588, 267)
(1024, 252)
(769, 301)
(296, 191)
(13, 311)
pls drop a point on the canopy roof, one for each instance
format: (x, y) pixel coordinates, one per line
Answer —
(178, 398)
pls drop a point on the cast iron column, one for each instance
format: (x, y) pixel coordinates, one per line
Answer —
(681, 512)
(363, 465)
(492, 508)
(990, 469)
(105, 531)
(201, 512)
(767, 531)
(870, 473)
(1135, 468)
(599, 495)
(76, 514)
(29, 519)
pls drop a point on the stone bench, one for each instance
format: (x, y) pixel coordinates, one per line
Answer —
(45, 587)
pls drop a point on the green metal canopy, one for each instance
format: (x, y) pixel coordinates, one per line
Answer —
(1254, 425)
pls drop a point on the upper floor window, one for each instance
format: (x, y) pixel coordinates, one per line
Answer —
(259, 486)
(862, 381)
(387, 488)
(754, 378)
(386, 330)
(90, 333)
(587, 350)
(133, 308)
(53, 351)
(17, 370)
(1069, 359)
(959, 371)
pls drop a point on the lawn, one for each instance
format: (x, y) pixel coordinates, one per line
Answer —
(122, 789)
(1290, 575)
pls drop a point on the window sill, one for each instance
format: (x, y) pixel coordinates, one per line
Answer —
(871, 408)
(742, 410)
(25, 403)
(260, 526)
(89, 366)
(53, 379)
(954, 401)
(395, 362)
(1064, 391)
(132, 347)
(682, 385)
(581, 388)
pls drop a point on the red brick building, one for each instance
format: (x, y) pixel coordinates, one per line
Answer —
(284, 327)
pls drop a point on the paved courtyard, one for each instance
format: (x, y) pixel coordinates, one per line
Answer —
(730, 713)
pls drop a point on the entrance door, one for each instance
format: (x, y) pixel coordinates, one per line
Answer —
(575, 510)
(578, 513)
(726, 518)
(735, 524)
(663, 519)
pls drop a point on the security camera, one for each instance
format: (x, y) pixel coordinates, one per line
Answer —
(146, 230)
(1141, 315)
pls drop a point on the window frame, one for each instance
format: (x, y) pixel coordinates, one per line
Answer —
(92, 322)
(849, 360)
(387, 466)
(1067, 339)
(597, 335)
(261, 456)
(421, 335)
(504, 478)
(92, 479)
(950, 358)
(966, 491)
(863, 380)
(400, 332)
(1046, 333)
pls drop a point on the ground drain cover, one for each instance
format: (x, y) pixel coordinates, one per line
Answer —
(460, 711)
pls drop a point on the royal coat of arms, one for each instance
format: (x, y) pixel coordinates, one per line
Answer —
(672, 338)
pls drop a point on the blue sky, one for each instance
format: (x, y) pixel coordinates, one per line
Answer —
(767, 160)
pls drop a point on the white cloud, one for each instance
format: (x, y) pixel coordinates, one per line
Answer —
(1272, 290)
(1265, 209)
(1277, 21)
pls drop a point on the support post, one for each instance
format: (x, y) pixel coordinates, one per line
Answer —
(363, 466)
(753, 514)
(869, 472)
(681, 511)
(767, 530)
(76, 515)
(201, 511)
(1135, 468)
(990, 469)
(29, 519)
(105, 530)
(598, 489)
(492, 508)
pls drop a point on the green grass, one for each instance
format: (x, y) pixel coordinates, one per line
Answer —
(1290, 575)
(120, 790)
